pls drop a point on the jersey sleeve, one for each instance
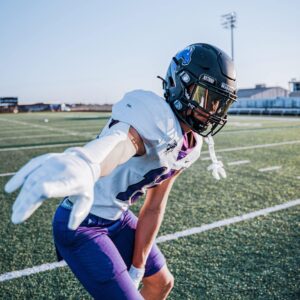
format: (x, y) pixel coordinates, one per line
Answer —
(149, 114)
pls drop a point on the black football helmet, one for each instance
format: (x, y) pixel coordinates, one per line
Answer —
(200, 85)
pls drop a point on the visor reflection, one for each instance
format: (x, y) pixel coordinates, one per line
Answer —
(210, 101)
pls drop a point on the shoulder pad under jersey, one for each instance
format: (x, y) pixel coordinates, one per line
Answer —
(150, 115)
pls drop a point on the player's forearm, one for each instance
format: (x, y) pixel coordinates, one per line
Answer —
(108, 151)
(150, 219)
(147, 228)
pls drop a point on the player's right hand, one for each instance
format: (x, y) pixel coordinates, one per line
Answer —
(136, 274)
(53, 175)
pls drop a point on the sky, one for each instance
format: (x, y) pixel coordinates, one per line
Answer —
(94, 51)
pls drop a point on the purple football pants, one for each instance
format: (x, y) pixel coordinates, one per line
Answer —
(100, 252)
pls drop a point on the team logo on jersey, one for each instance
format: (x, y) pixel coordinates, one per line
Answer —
(171, 146)
(185, 55)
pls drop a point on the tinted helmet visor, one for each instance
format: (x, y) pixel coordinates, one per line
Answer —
(209, 110)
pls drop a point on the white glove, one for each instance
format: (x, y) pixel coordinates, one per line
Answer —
(136, 275)
(54, 175)
(72, 173)
(217, 170)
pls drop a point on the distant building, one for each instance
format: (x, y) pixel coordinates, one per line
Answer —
(294, 88)
(264, 100)
(9, 104)
(261, 91)
(36, 107)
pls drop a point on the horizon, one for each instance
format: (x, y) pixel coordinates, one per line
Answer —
(87, 102)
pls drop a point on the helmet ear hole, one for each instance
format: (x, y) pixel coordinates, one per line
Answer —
(172, 83)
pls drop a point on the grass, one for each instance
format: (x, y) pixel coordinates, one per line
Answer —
(255, 259)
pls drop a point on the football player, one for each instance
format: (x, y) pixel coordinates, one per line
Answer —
(146, 144)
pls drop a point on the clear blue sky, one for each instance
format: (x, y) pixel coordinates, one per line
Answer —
(95, 51)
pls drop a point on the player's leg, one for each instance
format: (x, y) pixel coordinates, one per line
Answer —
(158, 281)
(94, 259)
(158, 285)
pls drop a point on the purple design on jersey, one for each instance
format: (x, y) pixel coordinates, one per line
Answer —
(185, 149)
(166, 176)
(151, 180)
(134, 191)
(112, 123)
(136, 196)
(153, 177)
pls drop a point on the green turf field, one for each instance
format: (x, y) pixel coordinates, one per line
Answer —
(258, 258)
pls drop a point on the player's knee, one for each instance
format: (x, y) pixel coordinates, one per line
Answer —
(165, 284)
(169, 283)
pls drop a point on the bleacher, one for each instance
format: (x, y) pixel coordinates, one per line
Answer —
(283, 106)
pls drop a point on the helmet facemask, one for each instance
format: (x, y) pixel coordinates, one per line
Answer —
(202, 107)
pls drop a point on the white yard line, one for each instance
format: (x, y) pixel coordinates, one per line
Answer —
(268, 169)
(10, 131)
(243, 124)
(238, 162)
(298, 177)
(208, 158)
(47, 127)
(255, 146)
(39, 147)
(7, 174)
(72, 128)
(162, 239)
(203, 152)
(225, 222)
(262, 118)
(30, 136)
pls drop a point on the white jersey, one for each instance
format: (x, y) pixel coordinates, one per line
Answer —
(162, 135)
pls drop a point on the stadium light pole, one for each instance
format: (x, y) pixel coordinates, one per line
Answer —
(228, 22)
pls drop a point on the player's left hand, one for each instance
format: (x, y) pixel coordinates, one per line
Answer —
(136, 275)
(217, 169)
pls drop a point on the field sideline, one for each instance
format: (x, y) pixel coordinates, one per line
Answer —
(220, 254)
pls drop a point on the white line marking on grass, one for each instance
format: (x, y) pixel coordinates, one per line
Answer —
(87, 128)
(9, 131)
(204, 152)
(39, 147)
(241, 124)
(30, 136)
(256, 146)
(7, 174)
(298, 177)
(33, 270)
(47, 127)
(208, 158)
(225, 222)
(162, 239)
(263, 118)
(238, 162)
(268, 169)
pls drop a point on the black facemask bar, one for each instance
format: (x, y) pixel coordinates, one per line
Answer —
(212, 124)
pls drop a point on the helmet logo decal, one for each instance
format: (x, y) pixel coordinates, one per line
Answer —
(185, 55)
(178, 105)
